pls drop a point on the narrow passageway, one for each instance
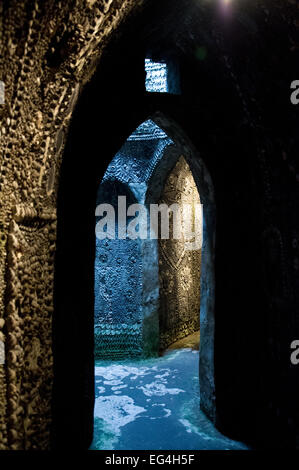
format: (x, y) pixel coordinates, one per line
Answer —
(153, 404)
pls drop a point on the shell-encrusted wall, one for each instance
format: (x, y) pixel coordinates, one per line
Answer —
(179, 267)
(48, 51)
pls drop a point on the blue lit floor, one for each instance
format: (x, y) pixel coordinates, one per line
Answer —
(153, 405)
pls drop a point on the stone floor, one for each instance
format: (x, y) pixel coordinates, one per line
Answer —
(191, 341)
(153, 405)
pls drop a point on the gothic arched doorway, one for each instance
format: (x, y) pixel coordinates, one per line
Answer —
(167, 283)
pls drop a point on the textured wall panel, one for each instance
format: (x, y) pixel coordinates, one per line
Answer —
(179, 269)
(28, 323)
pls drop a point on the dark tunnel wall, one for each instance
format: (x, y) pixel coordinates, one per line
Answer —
(235, 108)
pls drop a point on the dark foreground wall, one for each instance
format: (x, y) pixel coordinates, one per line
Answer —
(235, 108)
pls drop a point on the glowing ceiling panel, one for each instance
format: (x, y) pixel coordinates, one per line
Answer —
(156, 77)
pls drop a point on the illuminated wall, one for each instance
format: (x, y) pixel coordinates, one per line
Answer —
(156, 76)
(123, 274)
(179, 268)
(162, 77)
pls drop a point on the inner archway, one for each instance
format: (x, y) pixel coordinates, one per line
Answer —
(163, 271)
(174, 282)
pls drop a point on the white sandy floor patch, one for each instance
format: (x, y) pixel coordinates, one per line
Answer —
(165, 412)
(190, 428)
(119, 387)
(117, 411)
(163, 376)
(159, 389)
(117, 372)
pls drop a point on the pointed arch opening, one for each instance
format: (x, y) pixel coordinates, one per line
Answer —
(153, 292)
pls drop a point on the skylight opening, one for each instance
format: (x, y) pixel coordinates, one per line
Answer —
(156, 77)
